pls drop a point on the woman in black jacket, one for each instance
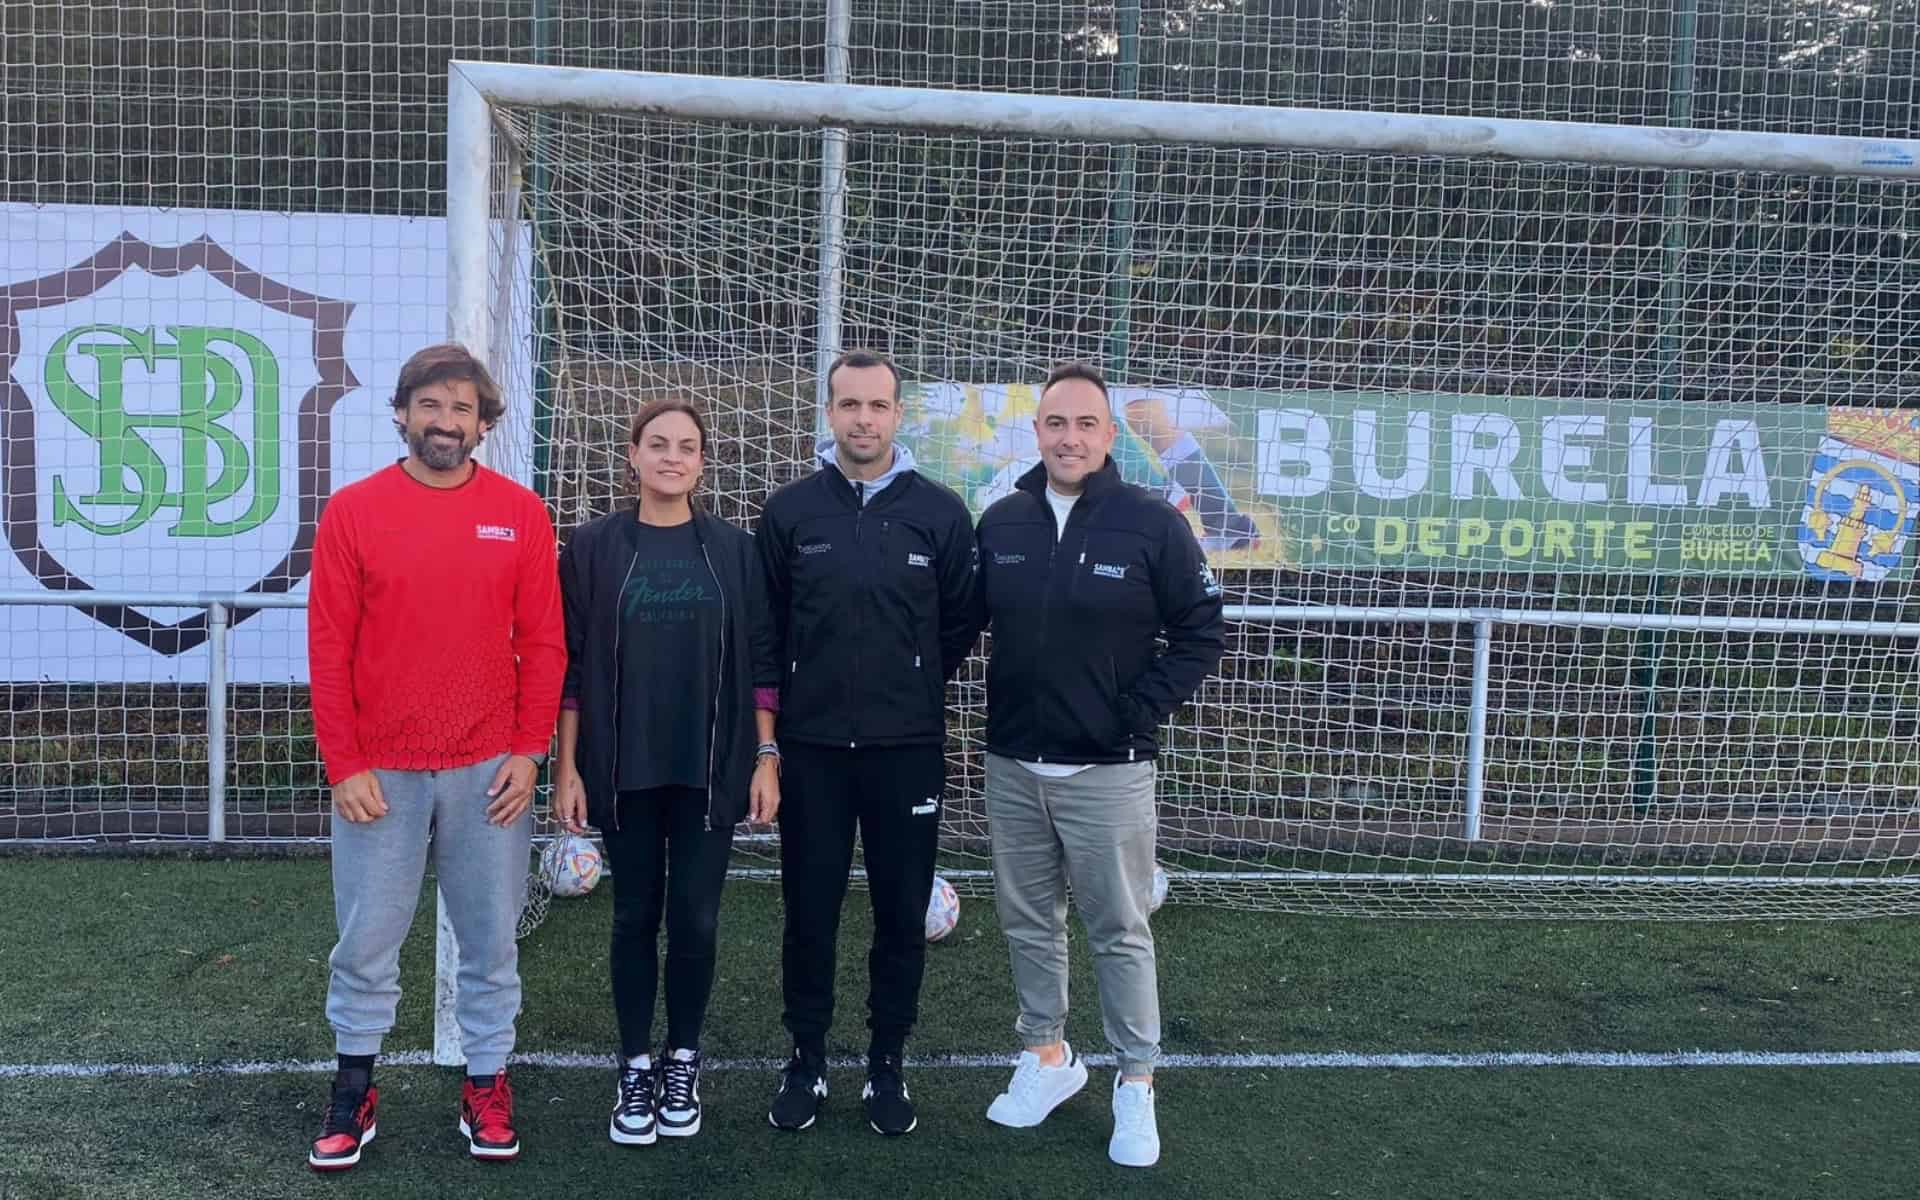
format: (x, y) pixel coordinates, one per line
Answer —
(664, 746)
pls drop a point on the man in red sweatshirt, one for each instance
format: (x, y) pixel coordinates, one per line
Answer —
(437, 651)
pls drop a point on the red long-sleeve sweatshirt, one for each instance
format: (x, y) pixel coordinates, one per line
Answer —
(434, 630)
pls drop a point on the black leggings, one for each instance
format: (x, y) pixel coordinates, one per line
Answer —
(663, 856)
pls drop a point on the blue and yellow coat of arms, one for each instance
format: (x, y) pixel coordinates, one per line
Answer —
(1863, 495)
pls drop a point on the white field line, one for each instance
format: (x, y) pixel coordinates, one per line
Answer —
(1336, 1060)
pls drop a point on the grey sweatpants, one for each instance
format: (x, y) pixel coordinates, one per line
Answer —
(378, 867)
(1095, 830)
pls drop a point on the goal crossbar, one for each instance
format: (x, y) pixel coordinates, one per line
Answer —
(801, 104)
(473, 88)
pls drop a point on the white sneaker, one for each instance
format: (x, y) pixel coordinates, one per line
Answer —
(1037, 1090)
(1136, 1135)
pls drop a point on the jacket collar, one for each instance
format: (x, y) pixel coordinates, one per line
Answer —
(1096, 485)
(841, 486)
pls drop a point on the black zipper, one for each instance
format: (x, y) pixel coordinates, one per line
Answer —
(1046, 604)
(1074, 580)
(859, 518)
(1046, 609)
(719, 680)
(1076, 513)
(619, 619)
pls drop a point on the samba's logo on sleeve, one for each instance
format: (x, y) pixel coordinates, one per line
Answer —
(166, 427)
(1863, 495)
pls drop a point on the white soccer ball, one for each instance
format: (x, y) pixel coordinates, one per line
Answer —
(571, 865)
(1159, 889)
(943, 910)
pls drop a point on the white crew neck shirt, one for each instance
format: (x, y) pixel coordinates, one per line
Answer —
(1062, 508)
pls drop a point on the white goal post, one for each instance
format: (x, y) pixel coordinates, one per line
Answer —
(1559, 742)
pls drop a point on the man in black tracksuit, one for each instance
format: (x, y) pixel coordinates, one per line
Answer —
(1081, 573)
(870, 578)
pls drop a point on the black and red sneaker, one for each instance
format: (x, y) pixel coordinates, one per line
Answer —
(348, 1127)
(486, 1119)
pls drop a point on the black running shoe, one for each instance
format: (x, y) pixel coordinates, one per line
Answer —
(889, 1107)
(803, 1089)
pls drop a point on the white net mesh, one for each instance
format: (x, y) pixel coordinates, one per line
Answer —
(1692, 346)
(980, 261)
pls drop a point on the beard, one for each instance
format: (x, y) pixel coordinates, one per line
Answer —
(440, 454)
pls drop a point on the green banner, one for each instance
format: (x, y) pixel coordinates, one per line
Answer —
(1360, 481)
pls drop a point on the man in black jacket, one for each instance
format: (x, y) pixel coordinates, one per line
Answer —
(1081, 573)
(870, 578)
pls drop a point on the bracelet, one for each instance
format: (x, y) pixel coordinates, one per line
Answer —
(768, 750)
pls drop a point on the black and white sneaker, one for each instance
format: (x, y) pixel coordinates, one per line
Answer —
(889, 1107)
(803, 1089)
(634, 1122)
(680, 1093)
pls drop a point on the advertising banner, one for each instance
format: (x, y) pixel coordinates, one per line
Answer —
(1358, 481)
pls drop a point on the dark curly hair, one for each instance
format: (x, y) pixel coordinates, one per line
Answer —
(445, 363)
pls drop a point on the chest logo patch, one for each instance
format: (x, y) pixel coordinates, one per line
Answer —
(496, 533)
(1008, 560)
(918, 560)
(816, 547)
(1110, 570)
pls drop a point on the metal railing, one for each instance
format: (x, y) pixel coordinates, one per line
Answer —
(220, 607)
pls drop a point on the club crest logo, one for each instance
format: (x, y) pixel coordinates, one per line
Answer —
(1863, 495)
(122, 447)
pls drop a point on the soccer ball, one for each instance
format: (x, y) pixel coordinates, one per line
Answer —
(943, 910)
(571, 865)
(1159, 889)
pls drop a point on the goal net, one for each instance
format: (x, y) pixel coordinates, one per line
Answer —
(1557, 475)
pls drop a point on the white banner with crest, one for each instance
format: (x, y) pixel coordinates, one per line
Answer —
(182, 389)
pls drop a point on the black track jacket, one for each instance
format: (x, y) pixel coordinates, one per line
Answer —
(873, 607)
(1074, 676)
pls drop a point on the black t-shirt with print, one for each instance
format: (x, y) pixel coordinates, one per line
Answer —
(670, 627)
